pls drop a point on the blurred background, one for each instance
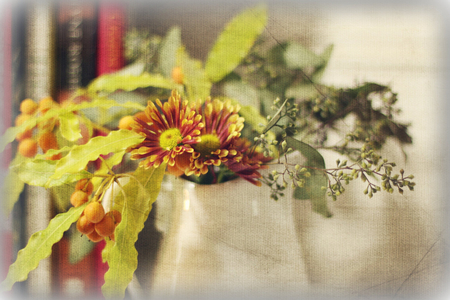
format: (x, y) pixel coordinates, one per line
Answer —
(390, 246)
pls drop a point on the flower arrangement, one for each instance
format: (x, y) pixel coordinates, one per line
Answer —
(218, 120)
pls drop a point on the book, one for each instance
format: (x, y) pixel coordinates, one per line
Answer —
(111, 30)
(6, 232)
(40, 83)
(76, 48)
(110, 58)
(12, 86)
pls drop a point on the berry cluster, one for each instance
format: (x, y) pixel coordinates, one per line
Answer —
(29, 140)
(94, 222)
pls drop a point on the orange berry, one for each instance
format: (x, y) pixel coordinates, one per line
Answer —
(177, 75)
(94, 212)
(85, 185)
(54, 156)
(28, 147)
(142, 116)
(46, 103)
(94, 237)
(106, 226)
(126, 122)
(78, 198)
(84, 226)
(112, 237)
(24, 135)
(20, 119)
(47, 140)
(115, 215)
(28, 106)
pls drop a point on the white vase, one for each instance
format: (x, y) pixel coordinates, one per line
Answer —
(229, 238)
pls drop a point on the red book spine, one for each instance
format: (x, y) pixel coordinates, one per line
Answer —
(6, 80)
(111, 30)
(110, 58)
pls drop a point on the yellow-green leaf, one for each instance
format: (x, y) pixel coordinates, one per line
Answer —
(100, 102)
(298, 56)
(197, 83)
(70, 126)
(320, 70)
(39, 172)
(103, 102)
(168, 51)
(12, 187)
(52, 152)
(109, 83)
(122, 256)
(235, 41)
(77, 159)
(11, 133)
(39, 247)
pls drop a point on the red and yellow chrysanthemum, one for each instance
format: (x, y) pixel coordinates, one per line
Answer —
(251, 162)
(222, 127)
(170, 131)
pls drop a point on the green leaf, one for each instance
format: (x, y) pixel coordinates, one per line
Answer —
(70, 126)
(39, 247)
(109, 83)
(77, 159)
(313, 191)
(275, 118)
(234, 43)
(326, 55)
(79, 246)
(12, 187)
(197, 83)
(313, 157)
(245, 93)
(168, 51)
(61, 196)
(299, 57)
(313, 186)
(122, 256)
(39, 172)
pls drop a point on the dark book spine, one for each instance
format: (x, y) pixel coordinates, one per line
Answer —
(76, 40)
(76, 46)
(14, 17)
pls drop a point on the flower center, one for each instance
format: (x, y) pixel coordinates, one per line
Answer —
(208, 144)
(170, 138)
